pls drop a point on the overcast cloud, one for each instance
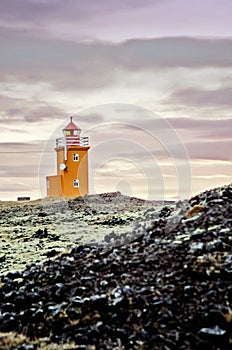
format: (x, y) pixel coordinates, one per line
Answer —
(159, 70)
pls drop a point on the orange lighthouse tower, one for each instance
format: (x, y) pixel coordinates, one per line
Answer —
(72, 164)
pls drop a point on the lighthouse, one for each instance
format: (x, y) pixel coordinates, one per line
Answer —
(72, 164)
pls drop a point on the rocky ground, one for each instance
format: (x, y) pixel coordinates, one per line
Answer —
(165, 285)
(33, 231)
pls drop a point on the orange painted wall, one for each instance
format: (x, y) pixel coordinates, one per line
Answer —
(74, 170)
(54, 187)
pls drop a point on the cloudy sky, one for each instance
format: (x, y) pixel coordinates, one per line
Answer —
(149, 81)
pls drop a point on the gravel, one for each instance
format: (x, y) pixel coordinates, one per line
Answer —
(165, 285)
(35, 230)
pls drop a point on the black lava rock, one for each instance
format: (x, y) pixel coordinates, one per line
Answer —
(166, 289)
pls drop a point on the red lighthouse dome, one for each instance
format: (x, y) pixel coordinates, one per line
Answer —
(72, 134)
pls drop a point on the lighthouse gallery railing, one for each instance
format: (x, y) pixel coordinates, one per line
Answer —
(72, 141)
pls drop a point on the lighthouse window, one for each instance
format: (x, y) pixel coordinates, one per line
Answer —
(68, 132)
(75, 183)
(75, 157)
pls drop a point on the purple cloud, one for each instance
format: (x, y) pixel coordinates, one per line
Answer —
(88, 66)
(23, 111)
(211, 129)
(203, 98)
(29, 10)
(216, 150)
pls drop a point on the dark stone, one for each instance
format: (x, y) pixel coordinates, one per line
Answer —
(197, 235)
(2, 258)
(12, 275)
(9, 322)
(42, 214)
(215, 335)
(52, 253)
(41, 233)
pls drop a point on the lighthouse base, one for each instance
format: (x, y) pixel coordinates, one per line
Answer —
(56, 188)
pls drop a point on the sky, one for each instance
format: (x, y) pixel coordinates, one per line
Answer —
(149, 81)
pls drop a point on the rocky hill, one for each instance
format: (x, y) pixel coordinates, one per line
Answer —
(164, 285)
(32, 231)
